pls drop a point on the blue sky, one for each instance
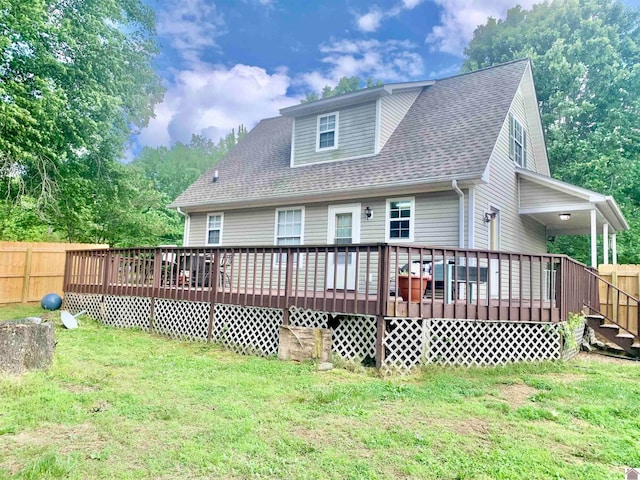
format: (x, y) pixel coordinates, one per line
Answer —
(229, 62)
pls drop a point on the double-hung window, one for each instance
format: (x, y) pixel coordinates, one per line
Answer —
(214, 229)
(327, 137)
(517, 142)
(289, 229)
(400, 219)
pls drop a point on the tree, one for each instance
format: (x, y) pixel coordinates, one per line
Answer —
(586, 65)
(345, 85)
(173, 169)
(76, 78)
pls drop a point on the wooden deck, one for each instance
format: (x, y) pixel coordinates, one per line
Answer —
(503, 285)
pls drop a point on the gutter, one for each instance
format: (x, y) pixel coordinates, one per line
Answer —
(454, 185)
(187, 226)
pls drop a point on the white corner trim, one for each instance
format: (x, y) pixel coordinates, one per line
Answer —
(293, 143)
(187, 228)
(471, 243)
(376, 146)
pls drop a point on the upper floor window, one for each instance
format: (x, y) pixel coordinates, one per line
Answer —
(400, 219)
(214, 229)
(517, 142)
(327, 137)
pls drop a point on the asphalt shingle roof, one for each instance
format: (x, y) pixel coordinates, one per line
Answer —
(448, 133)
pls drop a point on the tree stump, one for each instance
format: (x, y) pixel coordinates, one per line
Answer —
(25, 345)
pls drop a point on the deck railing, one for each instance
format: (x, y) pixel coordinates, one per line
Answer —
(352, 279)
(614, 304)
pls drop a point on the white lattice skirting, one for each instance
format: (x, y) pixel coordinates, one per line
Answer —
(353, 336)
(409, 343)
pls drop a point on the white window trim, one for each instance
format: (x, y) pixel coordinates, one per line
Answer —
(412, 220)
(276, 257)
(355, 209)
(206, 228)
(335, 132)
(512, 140)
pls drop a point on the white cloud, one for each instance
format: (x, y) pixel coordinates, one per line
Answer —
(191, 26)
(459, 19)
(370, 21)
(389, 61)
(211, 100)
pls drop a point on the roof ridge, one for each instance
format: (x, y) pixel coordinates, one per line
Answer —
(490, 67)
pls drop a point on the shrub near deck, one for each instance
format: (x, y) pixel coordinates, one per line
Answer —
(124, 404)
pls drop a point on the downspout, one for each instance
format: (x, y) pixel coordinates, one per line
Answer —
(187, 225)
(454, 185)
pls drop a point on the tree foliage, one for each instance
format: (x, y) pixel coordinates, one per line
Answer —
(345, 85)
(586, 65)
(76, 78)
(173, 169)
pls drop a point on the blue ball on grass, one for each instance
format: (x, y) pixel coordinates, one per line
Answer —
(51, 301)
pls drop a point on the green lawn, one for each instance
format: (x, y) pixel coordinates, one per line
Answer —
(126, 404)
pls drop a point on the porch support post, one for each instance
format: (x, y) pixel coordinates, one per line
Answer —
(605, 242)
(614, 249)
(594, 240)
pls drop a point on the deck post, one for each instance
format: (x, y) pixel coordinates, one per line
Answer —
(107, 271)
(213, 292)
(288, 279)
(155, 289)
(383, 297)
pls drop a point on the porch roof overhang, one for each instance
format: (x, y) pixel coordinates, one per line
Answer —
(544, 199)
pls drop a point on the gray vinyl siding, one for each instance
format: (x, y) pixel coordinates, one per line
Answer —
(517, 234)
(533, 195)
(393, 108)
(356, 135)
(436, 224)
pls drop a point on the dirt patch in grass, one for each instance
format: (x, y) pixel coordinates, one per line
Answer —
(516, 395)
(64, 438)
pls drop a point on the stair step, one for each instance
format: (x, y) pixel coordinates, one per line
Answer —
(611, 326)
(636, 345)
(625, 335)
(595, 317)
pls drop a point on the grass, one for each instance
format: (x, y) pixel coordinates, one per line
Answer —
(126, 404)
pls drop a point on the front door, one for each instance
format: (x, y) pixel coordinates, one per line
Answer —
(343, 228)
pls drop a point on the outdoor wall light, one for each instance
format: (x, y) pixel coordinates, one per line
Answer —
(564, 216)
(488, 216)
(368, 213)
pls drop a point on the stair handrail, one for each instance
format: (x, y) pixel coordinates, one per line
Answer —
(596, 309)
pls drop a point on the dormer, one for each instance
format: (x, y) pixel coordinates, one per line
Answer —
(349, 126)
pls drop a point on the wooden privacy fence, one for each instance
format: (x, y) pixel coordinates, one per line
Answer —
(619, 289)
(30, 270)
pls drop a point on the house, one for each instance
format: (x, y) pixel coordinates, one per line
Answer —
(454, 162)
(326, 216)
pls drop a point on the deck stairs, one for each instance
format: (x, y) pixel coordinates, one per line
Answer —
(602, 320)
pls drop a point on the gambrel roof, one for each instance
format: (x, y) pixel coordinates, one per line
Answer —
(448, 133)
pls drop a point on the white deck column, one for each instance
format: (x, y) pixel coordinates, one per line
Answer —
(614, 249)
(594, 240)
(605, 242)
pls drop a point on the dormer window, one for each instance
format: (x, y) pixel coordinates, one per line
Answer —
(517, 142)
(327, 138)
